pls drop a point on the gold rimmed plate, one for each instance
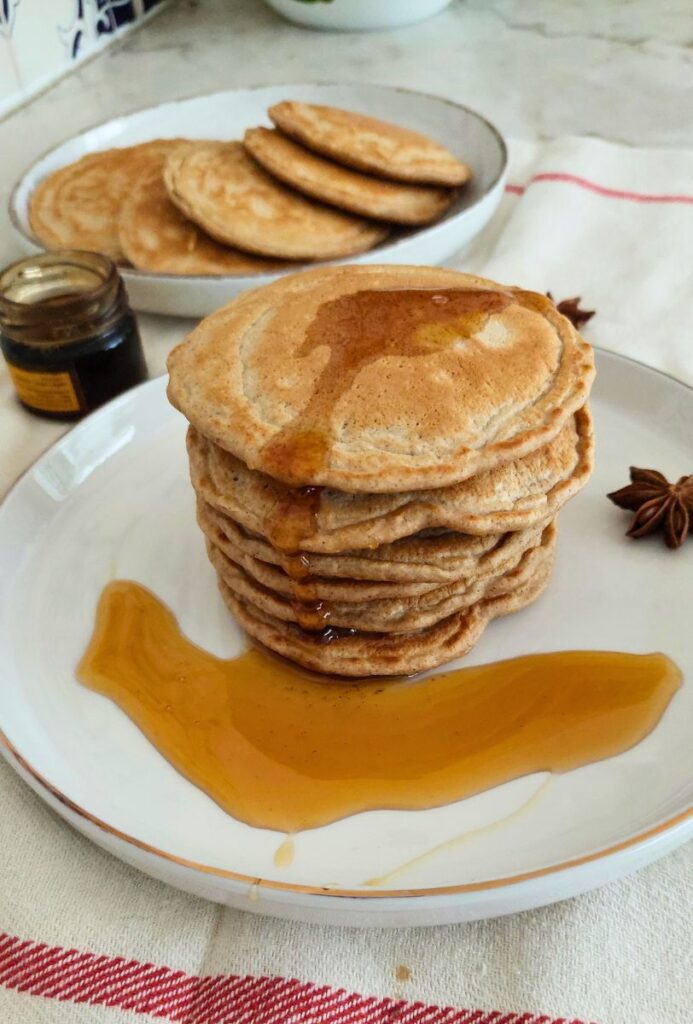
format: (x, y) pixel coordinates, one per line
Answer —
(112, 499)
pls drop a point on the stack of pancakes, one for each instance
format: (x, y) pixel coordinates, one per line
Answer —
(324, 184)
(379, 455)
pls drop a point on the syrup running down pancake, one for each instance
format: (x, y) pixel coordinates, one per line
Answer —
(379, 456)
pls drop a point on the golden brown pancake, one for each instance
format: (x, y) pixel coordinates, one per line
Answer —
(381, 379)
(339, 186)
(77, 206)
(156, 236)
(368, 144)
(228, 194)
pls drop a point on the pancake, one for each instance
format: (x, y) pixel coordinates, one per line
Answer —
(77, 206)
(381, 379)
(155, 236)
(336, 578)
(372, 654)
(513, 496)
(368, 144)
(323, 179)
(227, 193)
(396, 614)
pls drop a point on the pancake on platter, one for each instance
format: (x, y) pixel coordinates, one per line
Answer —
(227, 193)
(155, 236)
(322, 179)
(77, 206)
(381, 379)
(370, 145)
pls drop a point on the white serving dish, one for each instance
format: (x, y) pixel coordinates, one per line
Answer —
(226, 115)
(112, 499)
(359, 15)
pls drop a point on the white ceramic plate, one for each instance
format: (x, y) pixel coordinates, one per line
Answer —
(226, 115)
(112, 499)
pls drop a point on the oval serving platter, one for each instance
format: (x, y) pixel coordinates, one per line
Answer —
(226, 115)
(112, 500)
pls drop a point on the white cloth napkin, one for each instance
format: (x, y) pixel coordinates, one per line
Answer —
(88, 939)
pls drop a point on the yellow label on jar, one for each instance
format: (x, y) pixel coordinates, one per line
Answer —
(49, 392)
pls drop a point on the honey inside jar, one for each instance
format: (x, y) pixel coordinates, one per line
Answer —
(68, 335)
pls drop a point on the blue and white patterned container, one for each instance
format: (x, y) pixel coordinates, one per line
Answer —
(40, 40)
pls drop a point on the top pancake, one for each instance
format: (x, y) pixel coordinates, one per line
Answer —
(349, 190)
(368, 144)
(233, 199)
(77, 206)
(373, 379)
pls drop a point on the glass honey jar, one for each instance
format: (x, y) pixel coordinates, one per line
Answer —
(68, 335)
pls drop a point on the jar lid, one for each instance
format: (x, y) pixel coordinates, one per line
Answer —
(56, 297)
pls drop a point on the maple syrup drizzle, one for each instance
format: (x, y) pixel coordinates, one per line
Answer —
(297, 566)
(280, 749)
(312, 616)
(329, 634)
(293, 519)
(357, 329)
(381, 881)
(284, 854)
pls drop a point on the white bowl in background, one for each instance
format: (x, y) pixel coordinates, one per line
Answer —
(226, 115)
(346, 15)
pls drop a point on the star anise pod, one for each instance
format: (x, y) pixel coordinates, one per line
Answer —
(570, 308)
(657, 504)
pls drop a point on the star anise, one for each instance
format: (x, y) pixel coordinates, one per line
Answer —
(657, 505)
(570, 308)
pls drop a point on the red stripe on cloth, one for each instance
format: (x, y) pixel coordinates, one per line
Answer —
(69, 975)
(601, 190)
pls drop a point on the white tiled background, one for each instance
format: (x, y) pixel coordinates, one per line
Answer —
(42, 39)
